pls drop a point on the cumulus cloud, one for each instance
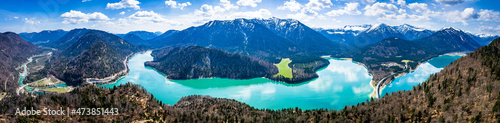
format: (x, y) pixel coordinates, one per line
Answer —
(291, 5)
(402, 2)
(147, 16)
(380, 9)
(86, 0)
(317, 5)
(310, 10)
(450, 2)
(174, 4)
(350, 9)
(252, 3)
(490, 29)
(262, 13)
(122, 13)
(75, 17)
(461, 16)
(489, 15)
(209, 10)
(226, 4)
(418, 7)
(32, 21)
(124, 4)
(368, 1)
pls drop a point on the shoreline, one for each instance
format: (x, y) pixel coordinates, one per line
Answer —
(418, 65)
(114, 78)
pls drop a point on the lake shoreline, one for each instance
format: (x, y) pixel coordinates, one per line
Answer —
(382, 87)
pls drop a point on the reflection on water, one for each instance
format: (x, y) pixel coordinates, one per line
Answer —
(339, 84)
(420, 75)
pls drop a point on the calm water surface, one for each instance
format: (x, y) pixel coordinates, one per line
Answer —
(339, 84)
(420, 75)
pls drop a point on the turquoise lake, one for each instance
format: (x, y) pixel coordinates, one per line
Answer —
(420, 75)
(340, 84)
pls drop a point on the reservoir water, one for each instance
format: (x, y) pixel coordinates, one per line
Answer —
(420, 75)
(340, 84)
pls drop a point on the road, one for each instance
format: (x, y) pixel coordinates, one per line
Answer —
(379, 83)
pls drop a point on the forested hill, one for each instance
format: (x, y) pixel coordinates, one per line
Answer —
(14, 51)
(199, 62)
(96, 54)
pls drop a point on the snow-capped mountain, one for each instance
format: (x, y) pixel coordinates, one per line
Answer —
(301, 35)
(375, 34)
(450, 39)
(256, 37)
(483, 39)
(345, 34)
(412, 33)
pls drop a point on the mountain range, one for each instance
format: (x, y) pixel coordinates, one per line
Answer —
(395, 50)
(267, 39)
(44, 37)
(467, 90)
(255, 37)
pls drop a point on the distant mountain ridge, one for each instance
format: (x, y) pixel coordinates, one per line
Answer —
(256, 37)
(43, 37)
(412, 33)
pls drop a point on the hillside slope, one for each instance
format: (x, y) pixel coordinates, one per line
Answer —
(198, 62)
(96, 54)
(14, 51)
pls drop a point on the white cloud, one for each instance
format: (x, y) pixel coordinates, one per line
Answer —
(227, 5)
(350, 9)
(262, 13)
(147, 16)
(419, 7)
(380, 9)
(174, 4)
(310, 10)
(489, 15)
(317, 5)
(32, 21)
(490, 29)
(252, 3)
(16, 17)
(122, 13)
(469, 14)
(368, 1)
(402, 3)
(124, 4)
(86, 0)
(450, 2)
(75, 17)
(209, 10)
(460, 16)
(291, 5)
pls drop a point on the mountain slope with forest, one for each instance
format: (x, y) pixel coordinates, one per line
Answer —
(96, 54)
(198, 62)
(14, 51)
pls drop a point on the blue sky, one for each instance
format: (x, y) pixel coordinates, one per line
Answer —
(121, 16)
